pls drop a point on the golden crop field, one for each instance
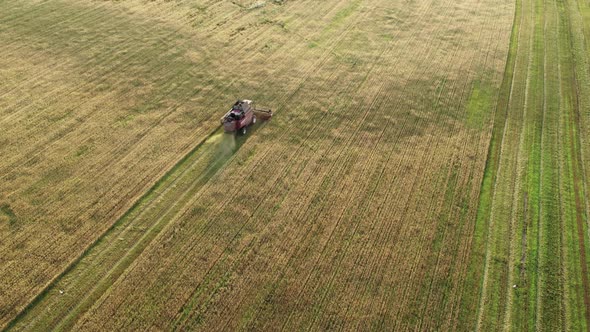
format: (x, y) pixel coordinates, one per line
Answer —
(425, 167)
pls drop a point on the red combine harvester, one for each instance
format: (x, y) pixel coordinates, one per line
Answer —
(241, 115)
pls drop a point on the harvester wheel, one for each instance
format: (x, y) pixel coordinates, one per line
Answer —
(254, 119)
(243, 131)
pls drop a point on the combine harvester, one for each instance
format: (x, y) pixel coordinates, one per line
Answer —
(241, 115)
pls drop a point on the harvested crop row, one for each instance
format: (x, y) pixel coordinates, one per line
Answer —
(537, 279)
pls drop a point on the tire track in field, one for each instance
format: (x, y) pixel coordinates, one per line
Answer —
(351, 137)
(561, 183)
(358, 225)
(456, 195)
(423, 156)
(453, 319)
(546, 139)
(111, 154)
(230, 83)
(113, 232)
(475, 173)
(517, 186)
(316, 126)
(540, 259)
(581, 204)
(219, 93)
(500, 121)
(297, 215)
(247, 248)
(505, 129)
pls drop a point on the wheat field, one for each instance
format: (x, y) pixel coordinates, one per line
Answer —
(424, 169)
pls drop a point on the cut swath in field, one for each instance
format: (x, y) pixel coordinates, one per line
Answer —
(536, 279)
(85, 281)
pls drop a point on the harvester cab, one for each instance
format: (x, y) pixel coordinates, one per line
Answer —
(241, 115)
